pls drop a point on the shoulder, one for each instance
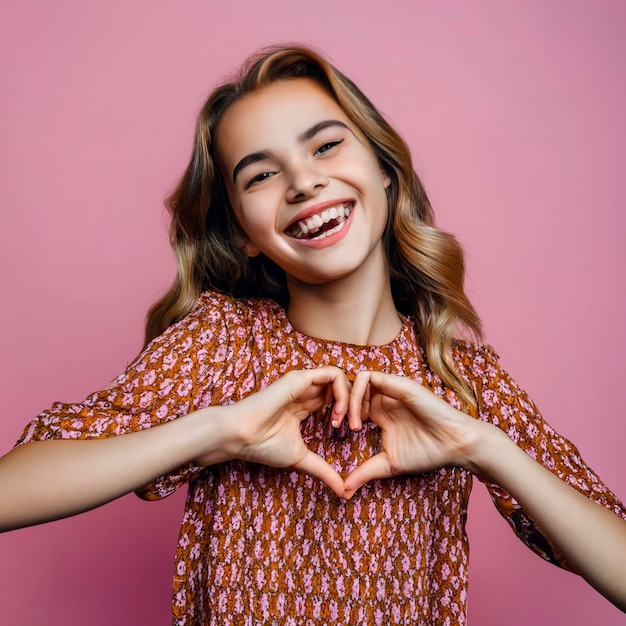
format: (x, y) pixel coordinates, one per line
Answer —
(238, 319)
(218, 324)
(214, 305)
(221, 318)
(493, 386)
(476, 362)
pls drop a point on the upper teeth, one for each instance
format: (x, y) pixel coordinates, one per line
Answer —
(315, 222)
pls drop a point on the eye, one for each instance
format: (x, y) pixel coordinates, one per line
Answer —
(259, 178)
(328, 146)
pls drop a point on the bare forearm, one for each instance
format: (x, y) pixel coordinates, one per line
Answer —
(592, 538)
(42, 481)
(45, 480)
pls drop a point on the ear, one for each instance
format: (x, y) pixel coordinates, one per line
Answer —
(386, 177)
(242, 241)
(250, 249)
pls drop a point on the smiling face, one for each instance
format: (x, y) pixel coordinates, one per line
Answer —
(303, 182)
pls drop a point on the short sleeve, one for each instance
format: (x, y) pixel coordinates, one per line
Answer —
(501, 402)
(169, 379)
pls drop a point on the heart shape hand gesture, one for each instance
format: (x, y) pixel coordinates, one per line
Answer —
(419, 431)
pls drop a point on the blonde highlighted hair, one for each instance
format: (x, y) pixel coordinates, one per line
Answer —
(426, 264)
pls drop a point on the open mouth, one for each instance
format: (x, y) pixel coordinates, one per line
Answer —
(323, 224)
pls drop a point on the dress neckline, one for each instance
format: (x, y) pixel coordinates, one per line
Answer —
(406, 333)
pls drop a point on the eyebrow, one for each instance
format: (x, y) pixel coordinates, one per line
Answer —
(261, 155)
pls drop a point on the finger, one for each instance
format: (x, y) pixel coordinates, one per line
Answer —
(366, 408)
(375, 467)
(323, 385)
(386, 389)
(399, 388)
(336, 397)
(336, 390)
(341, 395)
(314, 465)
(359, 400)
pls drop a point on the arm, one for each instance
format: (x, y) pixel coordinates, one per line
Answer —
(45, 480)
(588, 535)
(421, 432)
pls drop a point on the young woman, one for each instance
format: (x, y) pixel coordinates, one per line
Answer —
(310, 376)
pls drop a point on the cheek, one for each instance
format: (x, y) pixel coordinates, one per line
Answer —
(369, 167)
(242, 216)
(255, 219)
(235, 204)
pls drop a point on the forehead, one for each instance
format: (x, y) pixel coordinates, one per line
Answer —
(274, 114)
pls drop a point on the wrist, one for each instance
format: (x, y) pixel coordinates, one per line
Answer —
(213, 435)
(487, 450)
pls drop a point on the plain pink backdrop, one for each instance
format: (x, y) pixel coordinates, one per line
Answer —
(515, 115)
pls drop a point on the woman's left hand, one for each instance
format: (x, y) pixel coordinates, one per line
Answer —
(419, 431)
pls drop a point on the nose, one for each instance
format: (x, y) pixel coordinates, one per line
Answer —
(305, 181)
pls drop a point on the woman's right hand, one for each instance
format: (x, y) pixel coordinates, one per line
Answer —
(45, 480)
(265, 427)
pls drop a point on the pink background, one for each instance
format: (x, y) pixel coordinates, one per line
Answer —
(515, 114)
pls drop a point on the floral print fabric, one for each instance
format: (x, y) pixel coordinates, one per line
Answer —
(260, 545)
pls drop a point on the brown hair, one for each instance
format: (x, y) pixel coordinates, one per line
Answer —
(426, 264)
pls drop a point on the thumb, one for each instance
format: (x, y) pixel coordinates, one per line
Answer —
(314, 465)
(375, 467)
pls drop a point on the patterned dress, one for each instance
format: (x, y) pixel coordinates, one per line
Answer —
(260, 545)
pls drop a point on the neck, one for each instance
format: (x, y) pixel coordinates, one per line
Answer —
(357, 309)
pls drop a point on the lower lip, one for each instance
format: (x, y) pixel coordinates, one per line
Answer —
(330, 239)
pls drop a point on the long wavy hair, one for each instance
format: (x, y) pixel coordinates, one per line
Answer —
(426, 264)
